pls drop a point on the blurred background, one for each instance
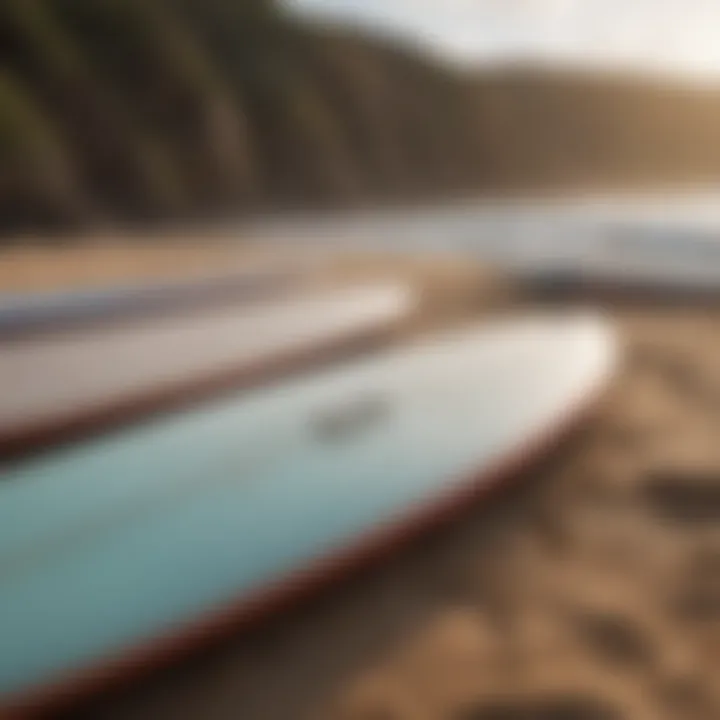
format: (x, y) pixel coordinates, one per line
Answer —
(498, 155)
(127, 113)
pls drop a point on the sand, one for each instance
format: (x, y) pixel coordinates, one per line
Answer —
(590, 590)
(112, 261)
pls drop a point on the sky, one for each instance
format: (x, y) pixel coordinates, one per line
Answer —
(666, 36)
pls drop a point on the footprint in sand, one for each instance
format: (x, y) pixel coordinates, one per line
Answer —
(683, 497)
(614, 638)
(699, 603)
(697, 598)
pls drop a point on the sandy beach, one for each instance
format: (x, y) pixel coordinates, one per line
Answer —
(225, 495)
(589, 590)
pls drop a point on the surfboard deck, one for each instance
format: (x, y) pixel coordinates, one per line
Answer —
(59, 388)
(120, 554)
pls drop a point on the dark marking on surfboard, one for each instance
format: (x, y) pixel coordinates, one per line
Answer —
(350, 418)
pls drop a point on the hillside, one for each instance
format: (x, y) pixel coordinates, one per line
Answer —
(138, 111)
(552, 127)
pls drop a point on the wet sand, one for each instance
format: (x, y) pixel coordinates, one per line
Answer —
(589, 590)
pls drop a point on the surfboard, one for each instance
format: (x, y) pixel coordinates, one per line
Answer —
(119, 554)
(28, 314)
(648, 261)
(60, 387)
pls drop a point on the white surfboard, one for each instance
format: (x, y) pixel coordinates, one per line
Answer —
(49, 383)
(116, 553)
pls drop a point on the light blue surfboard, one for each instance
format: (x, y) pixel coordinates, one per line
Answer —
(108, 545)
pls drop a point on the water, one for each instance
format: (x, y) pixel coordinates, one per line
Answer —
(664, 238)
(669, 234)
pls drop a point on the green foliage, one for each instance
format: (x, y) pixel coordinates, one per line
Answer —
(37, 180)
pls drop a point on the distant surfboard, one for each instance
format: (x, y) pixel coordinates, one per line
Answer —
(646, 261)
(60, 387)
(28, 314)
(119, 554)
